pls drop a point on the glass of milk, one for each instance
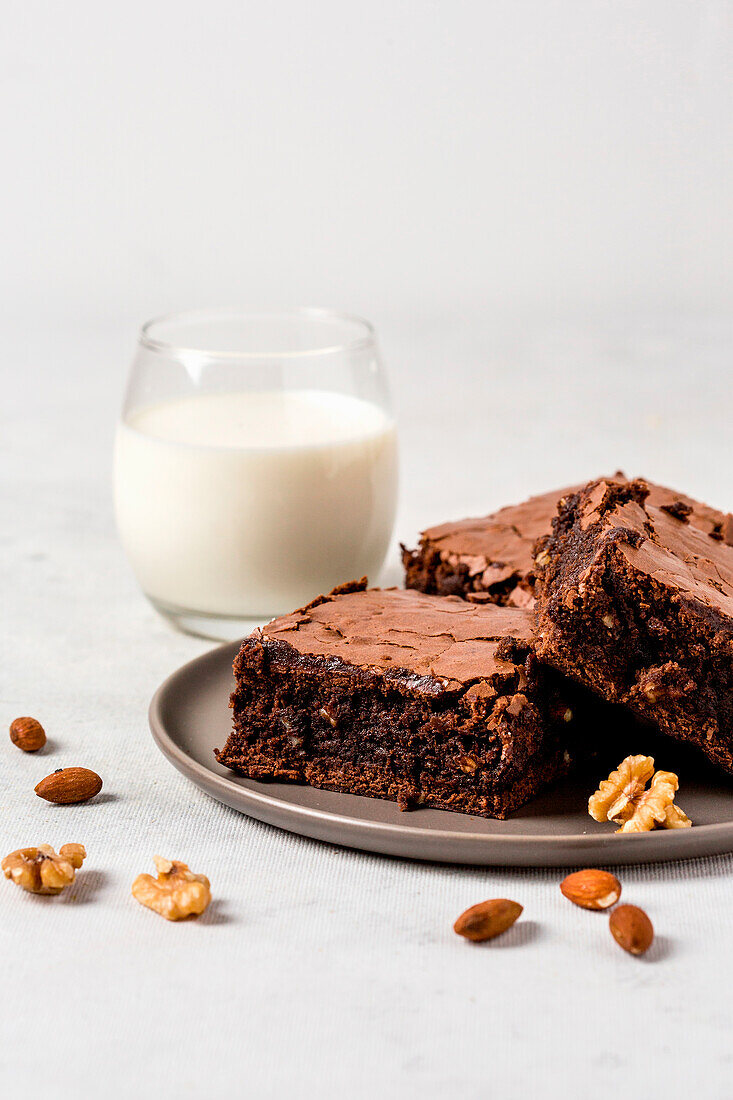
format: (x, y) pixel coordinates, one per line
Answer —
(255, 463)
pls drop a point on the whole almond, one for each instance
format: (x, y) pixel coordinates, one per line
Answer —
(28, 734)
(69, 785)
(591, 889)
(487, 919)
(631, 929)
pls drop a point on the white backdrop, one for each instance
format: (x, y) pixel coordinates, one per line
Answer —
(390, 155)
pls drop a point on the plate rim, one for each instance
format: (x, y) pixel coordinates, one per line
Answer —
(679, 843)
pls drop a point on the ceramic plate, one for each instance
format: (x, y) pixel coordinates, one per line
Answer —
(190, 716)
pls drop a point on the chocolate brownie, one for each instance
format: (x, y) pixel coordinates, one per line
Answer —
(423, 700)
(490, 559)
(636, 603)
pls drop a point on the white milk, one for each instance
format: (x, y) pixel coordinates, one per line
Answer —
(250, 504)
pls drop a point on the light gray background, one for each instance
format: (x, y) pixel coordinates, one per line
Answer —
(532, 202)
(457, 155)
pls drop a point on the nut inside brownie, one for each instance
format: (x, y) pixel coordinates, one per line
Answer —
(636, 603)
(395, 694)
(490, 559)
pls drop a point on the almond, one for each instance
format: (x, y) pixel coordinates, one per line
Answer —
(632, 929)
(69, 785)
(28, 734)
(487, 919)
(591, 889)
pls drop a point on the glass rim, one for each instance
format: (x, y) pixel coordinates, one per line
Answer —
(153, 343)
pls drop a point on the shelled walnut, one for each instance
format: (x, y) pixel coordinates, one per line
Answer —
(625, 798)
(41, 870)
(616, 796)
(176, 893)
(651, 806)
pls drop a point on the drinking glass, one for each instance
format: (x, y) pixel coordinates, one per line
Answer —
(255, 463)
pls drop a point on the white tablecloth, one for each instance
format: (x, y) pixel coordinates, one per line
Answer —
(319, 971)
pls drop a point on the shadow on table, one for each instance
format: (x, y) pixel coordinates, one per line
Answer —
(216, 914)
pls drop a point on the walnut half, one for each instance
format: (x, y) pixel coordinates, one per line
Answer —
(616, 796)
(41, 871)
(651, 806)
(625, 798)
(176, 893)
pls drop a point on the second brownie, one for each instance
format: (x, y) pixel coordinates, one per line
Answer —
(636, 603)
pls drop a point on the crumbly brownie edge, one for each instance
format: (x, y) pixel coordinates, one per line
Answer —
(428, 569)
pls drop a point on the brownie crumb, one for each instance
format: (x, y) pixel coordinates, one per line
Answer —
(679, 510)
(512, 649)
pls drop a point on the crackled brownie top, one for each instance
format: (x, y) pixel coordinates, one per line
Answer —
(500, 545)
(659, 543)
(442, 639)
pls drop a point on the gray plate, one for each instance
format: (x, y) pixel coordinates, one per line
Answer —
(189, 717)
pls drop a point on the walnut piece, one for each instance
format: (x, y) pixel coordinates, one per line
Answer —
(625, 798)
(41, 871)
(176, 893)
(675, 818)
(467, 763)
(616, 796)
(651, 806)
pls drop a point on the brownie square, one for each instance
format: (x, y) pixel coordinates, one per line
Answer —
(636, 603)
(491, 559)
(423, 700)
